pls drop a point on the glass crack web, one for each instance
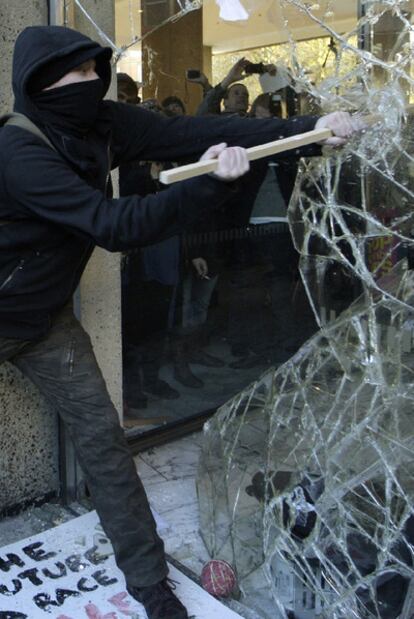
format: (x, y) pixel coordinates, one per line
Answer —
(306, 477)
(183, 7)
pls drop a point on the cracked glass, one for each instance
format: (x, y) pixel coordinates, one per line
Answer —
(305, 482)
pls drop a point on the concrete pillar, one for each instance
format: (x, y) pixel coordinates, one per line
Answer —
(28, 427)
(100, 290)
(168, 52)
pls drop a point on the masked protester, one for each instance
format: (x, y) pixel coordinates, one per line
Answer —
(55, 207)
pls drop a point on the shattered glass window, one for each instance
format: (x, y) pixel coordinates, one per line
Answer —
(306, 478)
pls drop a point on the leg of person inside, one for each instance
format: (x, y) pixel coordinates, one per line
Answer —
(197, 296)
(152, 333)
(133, 395)
(64, 368)
(180, 344)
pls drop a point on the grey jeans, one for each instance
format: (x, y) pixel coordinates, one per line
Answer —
(197, 295)
(64, 368)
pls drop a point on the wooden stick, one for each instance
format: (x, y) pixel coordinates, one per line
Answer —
(255, 152)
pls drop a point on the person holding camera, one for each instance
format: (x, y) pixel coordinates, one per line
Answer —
(198, 77)
(235, 96)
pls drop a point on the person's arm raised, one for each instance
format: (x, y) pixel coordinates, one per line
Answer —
(236, 74)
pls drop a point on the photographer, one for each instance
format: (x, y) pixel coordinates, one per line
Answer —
(235, 96)
(266, 105)
(195, 76)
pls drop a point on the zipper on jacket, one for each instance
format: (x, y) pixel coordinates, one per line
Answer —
(13, 273)
(108, 174)
(70, 357)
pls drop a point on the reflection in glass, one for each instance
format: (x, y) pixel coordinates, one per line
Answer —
(305, 483)
(305, 477)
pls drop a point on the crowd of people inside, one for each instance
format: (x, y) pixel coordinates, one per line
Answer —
(218, 277)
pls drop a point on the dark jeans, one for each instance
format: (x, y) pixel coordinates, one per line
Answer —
(64, 368)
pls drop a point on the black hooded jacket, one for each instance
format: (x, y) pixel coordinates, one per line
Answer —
(54, 210)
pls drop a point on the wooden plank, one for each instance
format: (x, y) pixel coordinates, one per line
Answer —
(293, 142)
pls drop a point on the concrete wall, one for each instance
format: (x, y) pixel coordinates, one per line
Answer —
(28, 427)
(29, 458)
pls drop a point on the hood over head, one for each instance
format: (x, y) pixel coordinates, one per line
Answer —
(60, 47)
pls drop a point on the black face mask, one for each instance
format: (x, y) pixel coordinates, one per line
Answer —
(72, 108)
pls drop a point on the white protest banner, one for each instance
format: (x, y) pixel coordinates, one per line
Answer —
(69, 572)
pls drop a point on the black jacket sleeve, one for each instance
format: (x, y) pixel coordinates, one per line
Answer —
(140, 134)
(212, 101)
(51, 191)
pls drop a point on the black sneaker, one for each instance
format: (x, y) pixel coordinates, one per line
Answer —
(159, 600)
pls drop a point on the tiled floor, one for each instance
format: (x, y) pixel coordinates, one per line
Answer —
(169, 475)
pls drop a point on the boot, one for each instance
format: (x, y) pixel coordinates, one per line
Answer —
(182, 371)
(134, 397)
(201, 357)
(197, 341)
(184, 375)
(152, 358)
(159, 600)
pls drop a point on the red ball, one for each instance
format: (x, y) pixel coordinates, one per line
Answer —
(218, 578)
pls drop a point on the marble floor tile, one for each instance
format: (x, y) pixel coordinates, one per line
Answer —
(188, 550)
(183, 520)
(174, 462)
(169, 474)
(172, 494)
(148, 474)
